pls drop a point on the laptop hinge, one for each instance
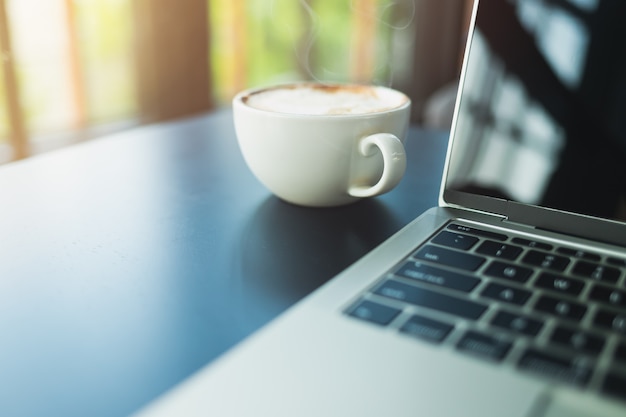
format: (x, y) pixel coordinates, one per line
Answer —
(518, 224)
(541, 218)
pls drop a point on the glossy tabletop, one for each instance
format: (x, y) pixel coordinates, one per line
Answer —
(131, 261)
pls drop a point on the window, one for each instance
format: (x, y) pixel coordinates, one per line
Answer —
(92, 66)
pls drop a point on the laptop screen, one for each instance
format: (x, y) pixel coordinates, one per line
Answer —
(541, 118)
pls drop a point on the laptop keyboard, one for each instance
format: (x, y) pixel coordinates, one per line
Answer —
(551, 311)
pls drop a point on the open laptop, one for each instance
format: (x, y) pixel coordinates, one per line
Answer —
(509, 299)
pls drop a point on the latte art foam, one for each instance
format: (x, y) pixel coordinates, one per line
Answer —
(319, 99)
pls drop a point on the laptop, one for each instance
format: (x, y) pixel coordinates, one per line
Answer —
(509, 298)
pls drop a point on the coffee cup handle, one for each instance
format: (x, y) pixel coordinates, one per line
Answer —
(394, 163)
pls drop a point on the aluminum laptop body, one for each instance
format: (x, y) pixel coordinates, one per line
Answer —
(509, 299)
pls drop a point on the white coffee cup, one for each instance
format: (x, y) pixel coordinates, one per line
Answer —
(323, 145)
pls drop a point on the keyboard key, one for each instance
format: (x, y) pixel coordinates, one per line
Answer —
(617, 261)
(559, 284)
(449, 257)
(579, 254)
(437, 276)
(620, 353)
(568, 370)
(508, 271)
(499, 250)
(455, 240)
(615, 386)
(578, 340)
(517, 323)
(532, 243)
(373, 312)
(609, 296)
(488, 347)
(426, 328)
(546, 260)
(561, 308)
(506, 294)
(431, 299)
(611, 320)
(477, 232)
(596, 271)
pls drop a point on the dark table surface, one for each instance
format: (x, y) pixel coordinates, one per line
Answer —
(129, 262)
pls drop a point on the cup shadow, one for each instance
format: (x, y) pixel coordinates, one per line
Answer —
(287, 251)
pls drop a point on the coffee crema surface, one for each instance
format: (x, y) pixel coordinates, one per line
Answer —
(326, 99)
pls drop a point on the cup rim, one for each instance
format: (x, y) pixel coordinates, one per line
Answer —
(239, 100)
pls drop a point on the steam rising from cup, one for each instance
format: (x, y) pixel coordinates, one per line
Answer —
(373, 39)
